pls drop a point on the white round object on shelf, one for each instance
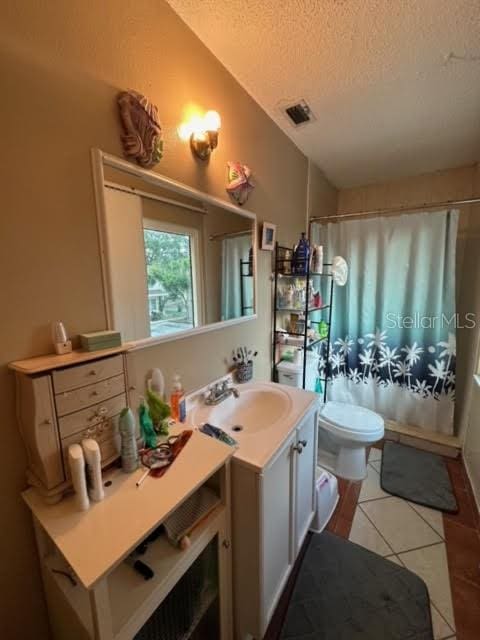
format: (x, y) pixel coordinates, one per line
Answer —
(339, 271)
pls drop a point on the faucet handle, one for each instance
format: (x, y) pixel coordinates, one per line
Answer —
(207, 394)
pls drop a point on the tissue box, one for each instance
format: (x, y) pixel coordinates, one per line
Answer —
(100, 340)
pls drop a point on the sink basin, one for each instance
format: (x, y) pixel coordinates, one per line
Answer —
(257, 408)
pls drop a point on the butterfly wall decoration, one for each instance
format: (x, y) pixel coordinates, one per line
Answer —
(239, 184)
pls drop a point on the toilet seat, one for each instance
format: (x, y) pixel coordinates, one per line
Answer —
(352, 422)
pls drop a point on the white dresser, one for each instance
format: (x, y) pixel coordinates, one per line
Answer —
(60, 401)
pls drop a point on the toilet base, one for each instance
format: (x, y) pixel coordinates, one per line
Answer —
(348, 462)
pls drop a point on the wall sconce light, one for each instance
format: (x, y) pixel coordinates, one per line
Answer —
(202, 132)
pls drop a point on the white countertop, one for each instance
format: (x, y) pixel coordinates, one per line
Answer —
(95, 541)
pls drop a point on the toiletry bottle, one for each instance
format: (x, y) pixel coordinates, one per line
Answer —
(91, 451)
(318, 261)
(157, 383)
(76, 462)
(177, 393)
(128, 450)
(301, 256)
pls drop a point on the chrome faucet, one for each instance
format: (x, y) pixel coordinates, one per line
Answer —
(220, 391)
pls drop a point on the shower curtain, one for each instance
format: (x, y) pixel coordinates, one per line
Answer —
(234, 250)
(393, 325)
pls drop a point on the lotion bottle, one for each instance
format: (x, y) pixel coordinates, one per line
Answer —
(129, 451)
(76, 463)
(91, 451)
(157, 383)
(175, 398)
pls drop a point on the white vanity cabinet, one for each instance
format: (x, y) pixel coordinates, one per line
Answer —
(272, 511)
(305, 474)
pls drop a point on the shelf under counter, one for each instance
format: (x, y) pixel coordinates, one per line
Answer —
(132, 599)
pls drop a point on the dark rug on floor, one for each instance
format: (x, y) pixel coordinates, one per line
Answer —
(417, 476)
(345, 592)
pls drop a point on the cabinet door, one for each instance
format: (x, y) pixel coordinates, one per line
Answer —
(276, 529)
(305, 463)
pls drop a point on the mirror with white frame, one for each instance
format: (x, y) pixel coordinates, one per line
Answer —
(175, 260)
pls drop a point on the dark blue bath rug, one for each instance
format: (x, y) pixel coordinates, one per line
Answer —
(345, 592)
(418, 476)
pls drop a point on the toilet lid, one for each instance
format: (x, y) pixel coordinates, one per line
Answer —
(351, 418)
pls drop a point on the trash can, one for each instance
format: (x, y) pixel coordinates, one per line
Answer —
(327, 499)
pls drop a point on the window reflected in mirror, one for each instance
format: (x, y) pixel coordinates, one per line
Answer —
(171, 265)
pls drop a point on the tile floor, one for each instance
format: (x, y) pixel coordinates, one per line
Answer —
(443, 549)
(410, 535)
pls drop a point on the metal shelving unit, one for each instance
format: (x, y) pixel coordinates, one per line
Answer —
(244, 275)
(305, 309)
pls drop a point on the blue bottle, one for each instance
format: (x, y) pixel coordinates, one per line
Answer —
(301, 255)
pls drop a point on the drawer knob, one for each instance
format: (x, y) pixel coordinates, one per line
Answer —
(92, 372)
(298, 448)
(94, 393)
(303, 443)
(47, 421)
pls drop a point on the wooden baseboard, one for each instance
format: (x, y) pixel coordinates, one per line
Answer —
(440, 443)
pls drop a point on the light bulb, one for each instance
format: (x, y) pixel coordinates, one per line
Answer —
(212, 121)
(184, 131)
(197, 125)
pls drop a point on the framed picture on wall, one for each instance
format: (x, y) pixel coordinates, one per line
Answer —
(269, 232)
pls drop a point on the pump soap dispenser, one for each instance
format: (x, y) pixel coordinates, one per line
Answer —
(176, 396)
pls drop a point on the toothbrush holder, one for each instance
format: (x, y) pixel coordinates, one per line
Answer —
(244, 372)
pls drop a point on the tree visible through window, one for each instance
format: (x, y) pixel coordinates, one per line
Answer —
(168, 258)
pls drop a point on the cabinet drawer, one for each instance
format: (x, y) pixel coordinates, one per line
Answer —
(80, 376)
(78, 399)
(88, 418)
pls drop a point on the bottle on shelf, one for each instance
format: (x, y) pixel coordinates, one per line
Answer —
(301, 256)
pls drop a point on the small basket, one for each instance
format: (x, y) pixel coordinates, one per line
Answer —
(244, 372)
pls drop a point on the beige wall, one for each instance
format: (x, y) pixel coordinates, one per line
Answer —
(452, 184)
(62, 64)
(322, 197)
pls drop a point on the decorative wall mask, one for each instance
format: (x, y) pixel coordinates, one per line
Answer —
(239, 184)
(142, 138)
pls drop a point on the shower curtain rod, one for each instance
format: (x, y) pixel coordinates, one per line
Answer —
(153, 196)
(412, 208)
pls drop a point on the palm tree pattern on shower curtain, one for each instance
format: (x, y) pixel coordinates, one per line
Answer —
(428, 371)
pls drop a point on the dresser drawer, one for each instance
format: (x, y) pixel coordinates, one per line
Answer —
(88, 418)
(87, 374)
(78, 399)
(108, 441)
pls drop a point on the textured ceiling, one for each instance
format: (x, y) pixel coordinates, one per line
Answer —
(387, 99)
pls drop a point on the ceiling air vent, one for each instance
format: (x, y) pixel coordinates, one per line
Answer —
(299, 113)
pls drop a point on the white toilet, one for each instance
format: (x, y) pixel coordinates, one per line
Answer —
(344, 433)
